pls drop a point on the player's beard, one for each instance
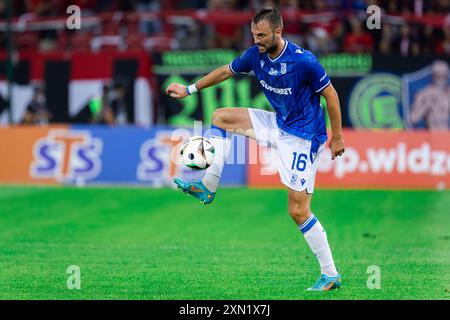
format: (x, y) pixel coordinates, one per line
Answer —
(272, 47)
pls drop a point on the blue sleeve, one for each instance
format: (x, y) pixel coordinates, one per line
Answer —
(243, 63)
(318, 78)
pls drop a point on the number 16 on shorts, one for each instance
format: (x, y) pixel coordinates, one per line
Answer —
(299, 161)
(298, 170)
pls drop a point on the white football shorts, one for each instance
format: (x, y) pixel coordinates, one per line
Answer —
(297, 163)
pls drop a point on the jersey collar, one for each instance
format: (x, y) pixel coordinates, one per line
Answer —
(284, 49)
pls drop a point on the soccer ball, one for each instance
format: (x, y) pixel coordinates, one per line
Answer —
(197, 153)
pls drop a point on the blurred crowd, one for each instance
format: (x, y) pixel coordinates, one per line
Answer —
(58, 7)
(345, 32)
(109, 107)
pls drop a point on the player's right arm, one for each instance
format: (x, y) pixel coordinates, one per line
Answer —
(241, 65)
(176, 90)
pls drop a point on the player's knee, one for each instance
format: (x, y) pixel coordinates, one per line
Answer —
(221, 117)
(299, 212)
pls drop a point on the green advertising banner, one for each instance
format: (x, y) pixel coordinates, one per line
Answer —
(186, 67)
(238, 91)
(203, 61)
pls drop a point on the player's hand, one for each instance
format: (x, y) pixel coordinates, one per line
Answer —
(337, 147)
(176, 90)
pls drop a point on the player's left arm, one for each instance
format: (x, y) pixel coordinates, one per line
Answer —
(334, 111)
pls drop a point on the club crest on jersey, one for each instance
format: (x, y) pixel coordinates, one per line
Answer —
(283, 68)
(273, 72)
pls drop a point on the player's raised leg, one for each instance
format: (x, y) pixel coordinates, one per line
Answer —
(316, 237)
(235, 120)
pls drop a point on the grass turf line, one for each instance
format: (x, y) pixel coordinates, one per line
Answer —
(135, 243)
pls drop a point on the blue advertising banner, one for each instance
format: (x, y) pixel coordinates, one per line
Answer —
(139, 156)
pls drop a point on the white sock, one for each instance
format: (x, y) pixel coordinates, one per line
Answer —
(316, 238)
(222, 145)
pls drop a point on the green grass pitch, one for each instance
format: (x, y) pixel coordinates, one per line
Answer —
(138, 243)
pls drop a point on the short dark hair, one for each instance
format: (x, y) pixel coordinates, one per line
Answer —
(271, 15)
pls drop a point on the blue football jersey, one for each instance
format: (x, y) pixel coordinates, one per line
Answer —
(292, 83)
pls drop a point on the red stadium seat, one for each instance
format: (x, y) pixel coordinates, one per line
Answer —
(63, 41)
(111, 23)
(27, 41)
(135, 42)
(107, 43)
(132, 23)
(81, 42)
(160, 43)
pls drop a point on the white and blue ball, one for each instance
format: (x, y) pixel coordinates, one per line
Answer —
(197, 153)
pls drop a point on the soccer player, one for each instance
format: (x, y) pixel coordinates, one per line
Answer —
(293, 80)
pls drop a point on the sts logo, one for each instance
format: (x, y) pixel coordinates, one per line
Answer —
(160, 161)
(67, 156)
